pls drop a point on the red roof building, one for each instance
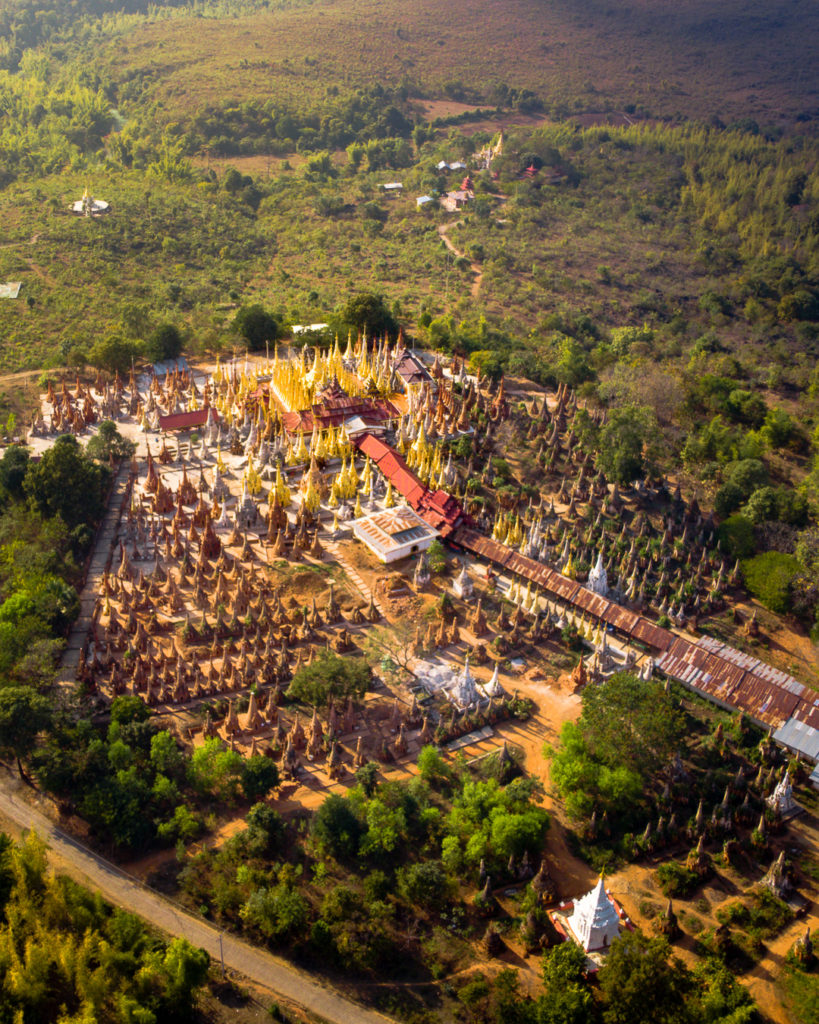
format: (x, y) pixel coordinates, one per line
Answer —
(439, 509)
(334, 406)
(185, 420)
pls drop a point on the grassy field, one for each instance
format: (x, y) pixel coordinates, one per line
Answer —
(737, 59)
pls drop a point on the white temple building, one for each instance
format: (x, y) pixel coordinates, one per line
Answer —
(394, 533)
(594, 923)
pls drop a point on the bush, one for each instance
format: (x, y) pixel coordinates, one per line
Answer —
(737, 536)
(330, 676)
(676, 880)
(768, 577)
(164, 343)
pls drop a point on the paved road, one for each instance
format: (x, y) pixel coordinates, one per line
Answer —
(260, 967)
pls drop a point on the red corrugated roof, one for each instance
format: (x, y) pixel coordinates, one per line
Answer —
(184, 420)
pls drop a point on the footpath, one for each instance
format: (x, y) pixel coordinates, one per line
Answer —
(100, 561)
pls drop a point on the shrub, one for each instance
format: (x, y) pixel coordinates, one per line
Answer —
(737, 536)
(676, 880)
(768, 577)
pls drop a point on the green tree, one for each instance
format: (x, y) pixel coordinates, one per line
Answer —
(108, 443)
(164, 343)
(115, 354)
(277, 912)
(13, 468)
(257, 326)
(369, 314)
(266, 827)
(185, 969)
(626, 443)
(65, 482)
(259, 776)
(337, 828)
(736, 535)
(424, 884)
(216, 771)
(639, 973)
(437, 557)
(627, 730)
(769, 577)
(432, 768)
(567, 998)
(24, 714)
(330, 676)
(630, 721)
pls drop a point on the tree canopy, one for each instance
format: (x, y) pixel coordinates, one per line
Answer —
(369, 314)
(628, 729)
(330, 676)
(256, 325)
(65, 482)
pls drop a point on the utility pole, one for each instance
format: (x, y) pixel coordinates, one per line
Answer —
(222, 954)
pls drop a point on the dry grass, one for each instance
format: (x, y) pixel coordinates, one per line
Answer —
(740, 58)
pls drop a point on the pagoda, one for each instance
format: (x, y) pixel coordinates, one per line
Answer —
(594, 922)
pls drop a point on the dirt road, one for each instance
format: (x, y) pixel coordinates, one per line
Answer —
(260, 967)
(476, 268)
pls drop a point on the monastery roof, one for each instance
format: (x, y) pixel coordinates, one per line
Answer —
(185, 420)
(394, 524)
(438, 508)
(393, 531)
(335, 410)
(714, 669)
(411, 369)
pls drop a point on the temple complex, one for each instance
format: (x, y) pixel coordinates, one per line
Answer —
(254, 468)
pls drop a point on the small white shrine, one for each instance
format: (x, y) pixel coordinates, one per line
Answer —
(493, 688)
(463, 586)
(781, 801)
(594, 922)
(90, 207)
(598, 579)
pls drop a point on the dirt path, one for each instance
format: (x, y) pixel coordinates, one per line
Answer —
(100, 560)
(476, 268)
(259, 966)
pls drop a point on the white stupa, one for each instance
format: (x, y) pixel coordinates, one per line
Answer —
(90, 207)
(493, 688)
(464, 692)
(594, 921)
(598, 579)
(463, 585)
(781, 801)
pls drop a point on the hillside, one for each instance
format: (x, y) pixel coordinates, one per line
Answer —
(745, 58)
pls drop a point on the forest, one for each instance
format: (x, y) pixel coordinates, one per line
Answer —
(66, 955)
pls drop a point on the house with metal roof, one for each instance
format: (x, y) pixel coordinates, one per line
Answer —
(394, 533)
